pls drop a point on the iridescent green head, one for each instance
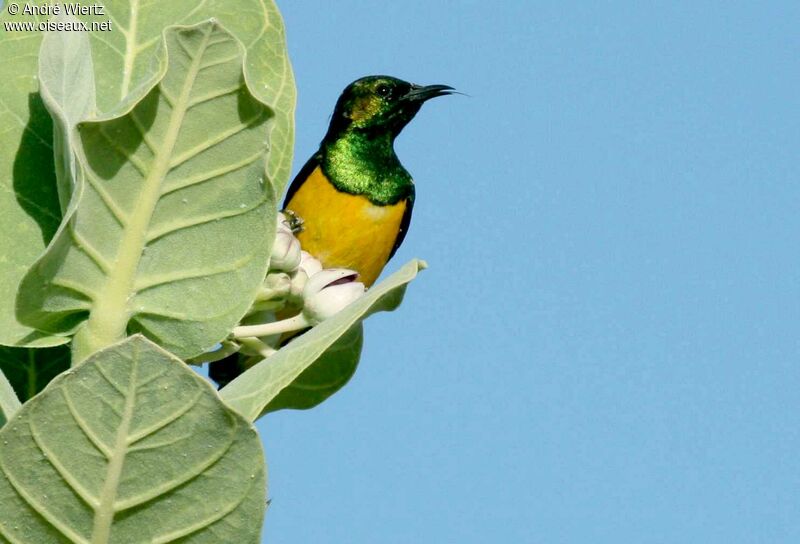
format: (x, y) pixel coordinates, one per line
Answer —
(357, 154)
(380, 105)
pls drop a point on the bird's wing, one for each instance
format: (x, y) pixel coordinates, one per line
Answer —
(404, 222)
(301, 177)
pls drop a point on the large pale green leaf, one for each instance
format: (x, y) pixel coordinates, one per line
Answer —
(66, 85)
(252, 392)
(9, 403)
(29, 208)
(30, 369)
(130, 446)
(122, 60)
(122, 57)
(170, 236)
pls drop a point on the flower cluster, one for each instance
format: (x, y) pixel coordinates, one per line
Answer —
(297, 285)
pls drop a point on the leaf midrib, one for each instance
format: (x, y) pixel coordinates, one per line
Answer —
(130, 49)
(104, 514)
(110, 315)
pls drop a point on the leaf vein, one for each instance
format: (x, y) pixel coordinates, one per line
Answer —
(68, 478)
(213, 95)
(140, 128)
(191, 55)
(83, 245)
(194, 10)
(111, 382)
(219, 138)
(166, 487)
(66, 283)
(84, 426)
(133, 159)
(25, 125)
(218, 62)
(108, 201)
(161, 444)
(212, 43)
(183, 275)
(176, 316)
(130, 48)
(213, 174)
(40, 509)
(176, 226)
(5, 535)
(117, 25)
(104, 514)
(207, 522)
(44, 211)
(144, 433)
(168, 98)
(99, 37)
(149, 43)
(150, 380)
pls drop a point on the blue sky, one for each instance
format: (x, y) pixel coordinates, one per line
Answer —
(605, 347)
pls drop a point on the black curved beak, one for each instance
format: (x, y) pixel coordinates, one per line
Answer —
(419, 93)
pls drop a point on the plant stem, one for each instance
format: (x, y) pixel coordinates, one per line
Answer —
(258, 346)
(267, 329)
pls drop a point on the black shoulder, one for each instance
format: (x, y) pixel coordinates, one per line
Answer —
(301, 176)
(404, 223)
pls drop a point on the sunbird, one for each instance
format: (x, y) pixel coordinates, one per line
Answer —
(353, 197)
(352, 200)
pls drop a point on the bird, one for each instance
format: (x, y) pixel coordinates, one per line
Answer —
(350, 204)
(353, 197)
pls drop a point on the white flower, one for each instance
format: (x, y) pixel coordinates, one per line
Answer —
(285, 252)
(275, 286)
(327, 292)
(309, 264)
(308, 267)
(298, 283)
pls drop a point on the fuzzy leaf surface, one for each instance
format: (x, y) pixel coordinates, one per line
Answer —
(169, 236)
(66, 85)
(122, 60)
(325, 376)
(9, 403)
(130, 446)
(123, 57)
(252, 392)
(29, 206)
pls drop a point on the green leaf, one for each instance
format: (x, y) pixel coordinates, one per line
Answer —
(30, 369)
(122, 59)
(252, 392)
(66, 84)
(170, 236)
(130, 446)
(329, 373)
(29, 206)
(9, 403)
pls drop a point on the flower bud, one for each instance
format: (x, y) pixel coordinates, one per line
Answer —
(298, 285)
(275, 286)
(285, 252)
(308, 267)
(309, 264)
(327, 292)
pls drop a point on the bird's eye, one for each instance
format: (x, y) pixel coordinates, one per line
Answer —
(383, 90)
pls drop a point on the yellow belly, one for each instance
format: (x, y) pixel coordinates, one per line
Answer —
(344, 230)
